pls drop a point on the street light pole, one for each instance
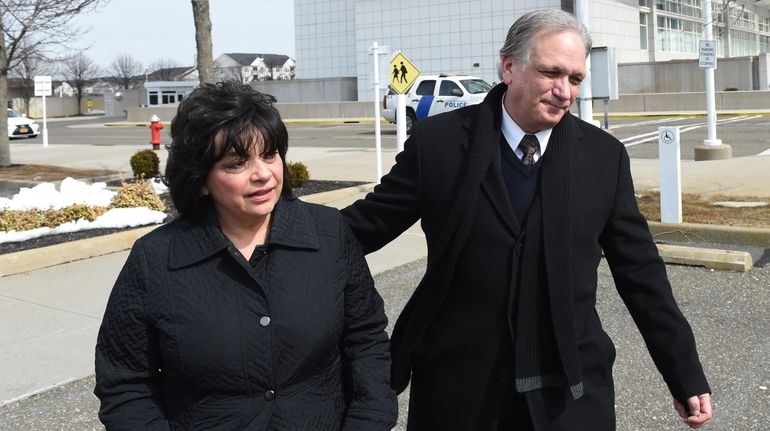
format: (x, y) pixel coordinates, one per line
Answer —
(146, 90)
(712, 148)
(585, 97)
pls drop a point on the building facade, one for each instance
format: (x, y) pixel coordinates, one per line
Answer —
(248, 67)
(334, 37)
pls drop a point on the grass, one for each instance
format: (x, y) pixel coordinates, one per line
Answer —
(701, 209)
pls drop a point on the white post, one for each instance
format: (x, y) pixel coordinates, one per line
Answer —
(711, 117)
(45, 125)
(670, 175)
(146, 90)
(377, 135)
(400, 122)
(585, 97)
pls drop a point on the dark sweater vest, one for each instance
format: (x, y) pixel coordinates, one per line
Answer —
(520, 180)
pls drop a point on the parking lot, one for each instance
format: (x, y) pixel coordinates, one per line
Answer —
(748, 135)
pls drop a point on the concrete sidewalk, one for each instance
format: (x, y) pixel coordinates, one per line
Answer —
(50, 316)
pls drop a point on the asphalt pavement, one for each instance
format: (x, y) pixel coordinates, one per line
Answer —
(50, 315)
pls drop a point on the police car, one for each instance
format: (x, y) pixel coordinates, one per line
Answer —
(434, 94)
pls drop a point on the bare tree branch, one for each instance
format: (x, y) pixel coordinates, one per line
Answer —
(163, 69)
(24, 76)
(79, 71)
(124, 71)
(33, 28)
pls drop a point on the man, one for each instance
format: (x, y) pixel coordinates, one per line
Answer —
(502, 331)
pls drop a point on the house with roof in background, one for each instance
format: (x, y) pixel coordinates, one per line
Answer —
(249, 67)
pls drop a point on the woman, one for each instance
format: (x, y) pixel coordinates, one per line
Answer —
(253, 310)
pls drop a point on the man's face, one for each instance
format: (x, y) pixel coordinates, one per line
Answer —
(540, 93)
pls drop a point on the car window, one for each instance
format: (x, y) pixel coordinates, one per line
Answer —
(12, 113)
(476, 86)
(426, 88)
(446, 87)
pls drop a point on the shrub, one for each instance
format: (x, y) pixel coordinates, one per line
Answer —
(139, 194)
(21, 220)
(298, 174)
(145, 164)
(73, 212)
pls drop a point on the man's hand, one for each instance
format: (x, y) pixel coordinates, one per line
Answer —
(697, 412)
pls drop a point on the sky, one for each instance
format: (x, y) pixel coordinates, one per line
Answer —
(164, 29)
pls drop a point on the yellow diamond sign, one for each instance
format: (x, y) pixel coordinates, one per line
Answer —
(402, 73)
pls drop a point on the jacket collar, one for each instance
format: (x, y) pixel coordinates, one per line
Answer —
(565, 139)
(291, 226)
(488, 118)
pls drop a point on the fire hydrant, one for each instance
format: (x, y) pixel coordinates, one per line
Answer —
(155, 126)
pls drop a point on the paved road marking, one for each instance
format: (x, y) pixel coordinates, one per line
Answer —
(653, 136)
(647, 122)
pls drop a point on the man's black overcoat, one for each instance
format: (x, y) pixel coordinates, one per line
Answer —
(449, 343)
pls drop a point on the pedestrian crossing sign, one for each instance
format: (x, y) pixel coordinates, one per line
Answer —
(402, 73)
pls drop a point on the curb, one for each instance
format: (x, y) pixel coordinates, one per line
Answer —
(334, 195)
(706, 257)
(37, 258)
(694, 232)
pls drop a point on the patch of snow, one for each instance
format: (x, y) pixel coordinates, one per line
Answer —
(71, 191)
(45, 195)
(739, 204)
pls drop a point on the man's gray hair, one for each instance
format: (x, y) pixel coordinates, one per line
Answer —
(518, 42)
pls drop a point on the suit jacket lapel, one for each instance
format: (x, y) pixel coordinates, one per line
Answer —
(495, 189)
(493, 184)
(483, 147)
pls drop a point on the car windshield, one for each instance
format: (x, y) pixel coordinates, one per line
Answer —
(12, 113)
(476, 86)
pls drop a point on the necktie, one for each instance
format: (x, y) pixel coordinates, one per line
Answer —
(529, 145)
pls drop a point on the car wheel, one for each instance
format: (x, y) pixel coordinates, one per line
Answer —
(411, 119)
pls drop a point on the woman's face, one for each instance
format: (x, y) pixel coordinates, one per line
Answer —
(245, 190)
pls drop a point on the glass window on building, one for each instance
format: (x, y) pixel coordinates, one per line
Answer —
(643, 30)
(672, 6)
(683, 7)
(153, 98)
(691, 8)
(742, 43)
(168, 97)
(741, 18)
(764, 24)
(678, 35)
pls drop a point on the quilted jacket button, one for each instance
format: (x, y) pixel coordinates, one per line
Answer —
(264, 321)
(270, 395)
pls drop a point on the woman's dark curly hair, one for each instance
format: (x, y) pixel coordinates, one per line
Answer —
(214, 120)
